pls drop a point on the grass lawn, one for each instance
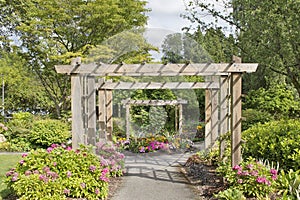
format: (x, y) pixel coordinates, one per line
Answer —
(7, 161)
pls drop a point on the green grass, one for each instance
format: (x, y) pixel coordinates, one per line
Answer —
(7, 161)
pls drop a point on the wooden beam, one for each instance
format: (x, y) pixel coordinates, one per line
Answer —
(197, 69)
(154, 102)
(157, 85)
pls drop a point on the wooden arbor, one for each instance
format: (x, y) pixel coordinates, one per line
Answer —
(227, 75)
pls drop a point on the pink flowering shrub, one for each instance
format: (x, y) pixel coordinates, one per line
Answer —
(110, 157)
(59, 172)
(252, 178)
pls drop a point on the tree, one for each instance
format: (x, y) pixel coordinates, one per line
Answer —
(18, 81)
(52, 32)
(267, 32)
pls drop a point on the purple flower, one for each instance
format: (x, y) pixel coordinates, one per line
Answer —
(142, 149)
(240, 181)
(54, 146)
(254, 173)
(22, 162)
(69, 174)
(93, 168)
(36, 172)
(24, 155)
(54, 164)
(274, 177)
(82, 185)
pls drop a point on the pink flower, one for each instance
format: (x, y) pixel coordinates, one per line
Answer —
(46, 169)
(66, 191)
(27, 173)
(240, 181)
(237, 167)
(273, 171)
(24, 155)
(54, 146)
(93, 168)
(54, 164)
(14, 178)
(250, 166)
(69, 174)
(69, 148)
(274, 177)
(97, 191)
(49, 149)
(254, 173)
(22, 162)
(82, 185)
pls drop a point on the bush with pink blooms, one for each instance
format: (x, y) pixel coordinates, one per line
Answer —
(252, 178)
(60, 172)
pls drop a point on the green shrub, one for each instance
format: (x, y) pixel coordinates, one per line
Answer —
(253, 116)
(49, 131)
(231, 194)
(18, 131)
(59, 173)
(276, 141)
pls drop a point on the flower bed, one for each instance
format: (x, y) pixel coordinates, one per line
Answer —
(61, 172)
(145, 144)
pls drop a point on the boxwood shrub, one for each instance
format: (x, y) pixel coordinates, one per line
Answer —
(276, 141)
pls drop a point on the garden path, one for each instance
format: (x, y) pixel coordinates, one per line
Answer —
(155, 176)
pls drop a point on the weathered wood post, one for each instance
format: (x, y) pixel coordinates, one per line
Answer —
(208, 107)
(127, 121)
(236, 114)
(214, 113)
(180, 119)
(109, 114)
(101, 111)
(224, 110)
(91, 111)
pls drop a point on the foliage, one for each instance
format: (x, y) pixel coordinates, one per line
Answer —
(288, 184)
(252, 178)
(265, 32)
(278, 100)
(18, 131)
(276, 141)
(7, 161)
(49, 131)
(54, 31)
(230, 194)
(253, 116)
(18, 81)
(59, 172)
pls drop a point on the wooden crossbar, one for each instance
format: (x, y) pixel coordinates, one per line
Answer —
(157, 85)
(198, 69)
(154, 102)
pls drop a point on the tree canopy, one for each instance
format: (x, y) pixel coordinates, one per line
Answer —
(52, 32)
(266, 32)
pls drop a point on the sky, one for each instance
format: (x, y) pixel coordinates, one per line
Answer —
(165, 14)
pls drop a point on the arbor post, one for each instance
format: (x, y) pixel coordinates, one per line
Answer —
(236, 115)
(109, 114)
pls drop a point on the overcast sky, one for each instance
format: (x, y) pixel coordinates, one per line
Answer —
(165, 14)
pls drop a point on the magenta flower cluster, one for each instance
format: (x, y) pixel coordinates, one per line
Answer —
(153, 146)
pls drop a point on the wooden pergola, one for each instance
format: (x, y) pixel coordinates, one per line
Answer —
(223, 96)
(177, 103)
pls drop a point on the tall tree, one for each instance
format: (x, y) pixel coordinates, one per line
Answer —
(267, 32)
(51, 32)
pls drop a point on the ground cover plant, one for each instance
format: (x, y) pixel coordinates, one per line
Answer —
(60, 172)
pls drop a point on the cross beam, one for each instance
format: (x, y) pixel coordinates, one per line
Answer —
(157, 85)
(197, 69)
